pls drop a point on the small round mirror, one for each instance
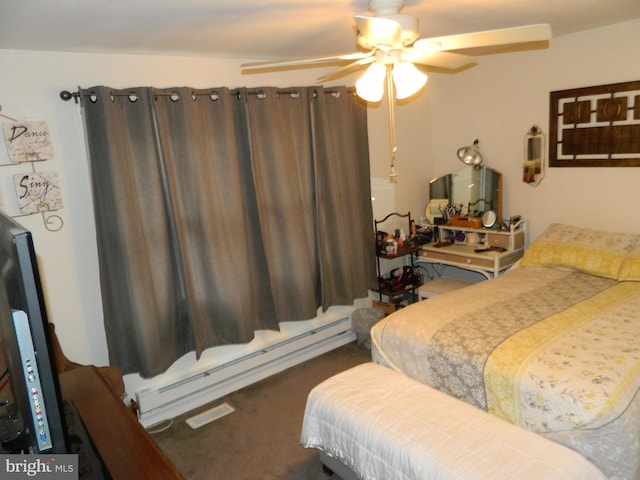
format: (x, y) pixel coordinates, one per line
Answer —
(489, 219)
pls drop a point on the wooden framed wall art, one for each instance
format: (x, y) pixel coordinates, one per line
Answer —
(595, 126)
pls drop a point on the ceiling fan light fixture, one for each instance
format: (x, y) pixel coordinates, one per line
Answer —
(370, 86)
(386, 7)
(470, 154)
(407, 79)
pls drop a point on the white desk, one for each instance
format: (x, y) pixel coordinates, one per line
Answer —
(458, 247)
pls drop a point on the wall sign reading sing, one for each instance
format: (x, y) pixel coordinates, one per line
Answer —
(37, 192)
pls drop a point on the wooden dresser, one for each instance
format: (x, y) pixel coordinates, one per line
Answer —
(125, 447)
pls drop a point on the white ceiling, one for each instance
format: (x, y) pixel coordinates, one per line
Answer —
(264, 29)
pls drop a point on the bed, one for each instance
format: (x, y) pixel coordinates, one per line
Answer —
(551, 346)
(412, 431)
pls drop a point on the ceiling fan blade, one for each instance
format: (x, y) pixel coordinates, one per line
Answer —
(447, 60)
(372, 32)
(504, 36)
(294, 62)
(346, 69)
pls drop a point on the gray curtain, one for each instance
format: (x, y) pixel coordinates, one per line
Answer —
(220, 212)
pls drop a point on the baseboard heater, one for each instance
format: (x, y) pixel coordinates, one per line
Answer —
(203, 387)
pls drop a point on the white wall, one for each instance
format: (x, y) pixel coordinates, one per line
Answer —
(496, 101)
(413, 142)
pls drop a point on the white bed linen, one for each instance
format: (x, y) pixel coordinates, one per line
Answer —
(385, 426)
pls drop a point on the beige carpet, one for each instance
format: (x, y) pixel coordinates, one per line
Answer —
(260, 440)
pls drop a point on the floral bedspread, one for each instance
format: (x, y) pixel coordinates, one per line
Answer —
(579, 368)
(553, 350)
(461, 348)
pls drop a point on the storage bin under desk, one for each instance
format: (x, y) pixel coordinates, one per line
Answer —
(440, 286)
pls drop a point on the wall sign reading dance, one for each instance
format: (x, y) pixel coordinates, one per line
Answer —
(27, 141)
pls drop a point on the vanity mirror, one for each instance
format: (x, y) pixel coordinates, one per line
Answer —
(475, 190)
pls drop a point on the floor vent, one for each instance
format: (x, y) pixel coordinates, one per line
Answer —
(210, 415)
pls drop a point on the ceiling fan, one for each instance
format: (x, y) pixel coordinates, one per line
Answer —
(391, 45)
(389, 38)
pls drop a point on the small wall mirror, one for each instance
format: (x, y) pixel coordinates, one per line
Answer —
(477, 188)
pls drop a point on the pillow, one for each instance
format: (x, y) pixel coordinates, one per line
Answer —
(583, 249)
(630, 268)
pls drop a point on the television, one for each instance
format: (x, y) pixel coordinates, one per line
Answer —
(26, 343)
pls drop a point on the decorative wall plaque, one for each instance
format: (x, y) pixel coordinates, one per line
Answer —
(37, 192)
(595, 126)
(28, 141)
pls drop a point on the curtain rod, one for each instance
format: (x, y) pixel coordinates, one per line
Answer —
(66, 95)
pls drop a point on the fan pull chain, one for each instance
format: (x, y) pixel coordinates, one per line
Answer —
(392, 124)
